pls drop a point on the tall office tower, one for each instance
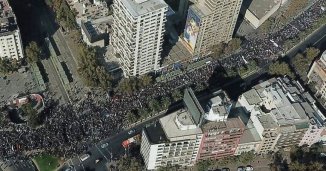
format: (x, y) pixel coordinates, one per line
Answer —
(138, 28)
(210, 22)
(10, 39)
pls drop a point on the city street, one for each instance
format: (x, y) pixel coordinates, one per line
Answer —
(114, 143)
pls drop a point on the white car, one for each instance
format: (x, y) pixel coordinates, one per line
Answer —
(104, 145)
(131, 131)
(249, 168)
(84, 157)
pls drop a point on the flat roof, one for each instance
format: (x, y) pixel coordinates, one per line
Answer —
(141, 7)
(267, 121)
(260, 7)
(155, 133)
(231, 123)
(171, 129)
(252, 97)
(192, 104)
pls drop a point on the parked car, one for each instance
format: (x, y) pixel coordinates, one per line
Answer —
(104, 145)
(225, 169)
(249, 168)
(131, 131)
(84, 157)
(241, 168)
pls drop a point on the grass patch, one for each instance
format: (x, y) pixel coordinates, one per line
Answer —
(46, 162)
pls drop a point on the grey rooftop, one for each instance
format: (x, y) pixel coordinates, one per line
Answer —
(141, 7)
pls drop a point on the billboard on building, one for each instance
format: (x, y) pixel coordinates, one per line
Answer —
(192, 28)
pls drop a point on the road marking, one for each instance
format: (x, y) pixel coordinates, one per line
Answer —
(102, 153)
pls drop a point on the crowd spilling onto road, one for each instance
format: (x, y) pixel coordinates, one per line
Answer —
(70, 129)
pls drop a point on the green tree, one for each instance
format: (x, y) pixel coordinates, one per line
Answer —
(311, 53)
(145, 80)
(144, 112)
(154, 105)
(247, 157)
(232, 45)
(203, 165)
(31, 114)
(131, 117)
(165, 102)
(296, 166)
(8, 65)
(129, 164)
(33, 52)
(126, 86)
(280, 69)
(217, 50)
(316, 166)
(176, 95)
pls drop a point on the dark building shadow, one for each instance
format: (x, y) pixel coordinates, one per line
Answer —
(30, 14)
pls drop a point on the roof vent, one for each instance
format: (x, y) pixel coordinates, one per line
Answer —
(140, 1)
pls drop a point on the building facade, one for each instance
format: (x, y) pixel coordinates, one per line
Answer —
(220, 139)
(210, 22)
(256, 12)
(138, 30)
(10, 39)
(317, 77)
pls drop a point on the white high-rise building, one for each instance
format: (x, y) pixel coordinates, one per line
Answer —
(138, 29)
(10, 39)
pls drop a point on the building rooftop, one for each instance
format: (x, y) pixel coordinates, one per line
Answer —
(155, 133)
(229, 124)
(260, 7)
(252, 97)
(193, 106)
(140, 7)
(284, 99)
(87, 11)
(200, 9)
(96, 29)
(173, 131)
(7, 17)
(267, 121)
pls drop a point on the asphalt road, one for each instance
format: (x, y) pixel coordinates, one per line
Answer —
(47, 26)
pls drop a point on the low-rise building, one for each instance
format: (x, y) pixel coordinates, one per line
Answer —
(88, 10)
(96, 33)
(10, 39)
(282, 114)
(256, 12)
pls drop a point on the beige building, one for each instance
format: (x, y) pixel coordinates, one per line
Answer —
(317, 77)
(256, 12)
(282, 115)
(176, 138)
(210, 22)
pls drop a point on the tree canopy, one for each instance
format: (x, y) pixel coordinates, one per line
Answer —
(280, 69)
(33, 52)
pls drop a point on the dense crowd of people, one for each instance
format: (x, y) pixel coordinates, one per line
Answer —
(70, 129)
